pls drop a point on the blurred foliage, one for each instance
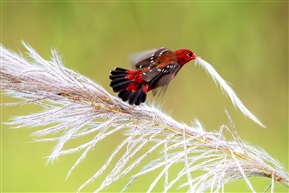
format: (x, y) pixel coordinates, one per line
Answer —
(247, 42)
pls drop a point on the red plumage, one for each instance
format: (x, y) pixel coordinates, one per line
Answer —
(152, 69)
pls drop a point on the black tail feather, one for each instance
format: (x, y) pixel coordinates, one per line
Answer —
(115, 81)
(119, 83)
(137, 97)
(133, 97)
(116, 76)
(124, 94)
(120, 86)
(117, 71)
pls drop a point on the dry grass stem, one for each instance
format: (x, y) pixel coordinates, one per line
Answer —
(76, 108)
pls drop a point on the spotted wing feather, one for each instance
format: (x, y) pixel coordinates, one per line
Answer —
(147, 59)
(160, 77)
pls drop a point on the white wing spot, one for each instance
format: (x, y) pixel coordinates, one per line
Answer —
(162, 52)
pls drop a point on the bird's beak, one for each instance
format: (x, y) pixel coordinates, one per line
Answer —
(194, 56)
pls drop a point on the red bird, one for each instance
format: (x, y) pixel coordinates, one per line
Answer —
(152, 69)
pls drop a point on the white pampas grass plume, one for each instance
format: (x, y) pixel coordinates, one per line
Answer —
(76, 108)
(227, 90)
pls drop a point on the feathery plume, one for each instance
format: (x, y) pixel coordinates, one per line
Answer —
(227, 89)
(74, 107)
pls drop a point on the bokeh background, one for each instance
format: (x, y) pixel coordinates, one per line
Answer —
(247, 42)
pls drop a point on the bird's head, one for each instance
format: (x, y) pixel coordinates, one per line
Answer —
(185, 55)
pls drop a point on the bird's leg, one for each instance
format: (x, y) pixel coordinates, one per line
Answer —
(132, 108)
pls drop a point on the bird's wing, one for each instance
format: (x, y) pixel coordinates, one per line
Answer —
(160, 91)
(160, 77)
(147, 59)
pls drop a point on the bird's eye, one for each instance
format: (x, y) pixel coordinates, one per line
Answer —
(189, 54)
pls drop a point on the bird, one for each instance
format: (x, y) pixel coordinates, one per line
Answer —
(152, 70)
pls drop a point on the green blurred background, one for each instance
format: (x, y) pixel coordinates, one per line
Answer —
(247, 42)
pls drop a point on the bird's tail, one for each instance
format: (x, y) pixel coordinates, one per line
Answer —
(129, 84)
